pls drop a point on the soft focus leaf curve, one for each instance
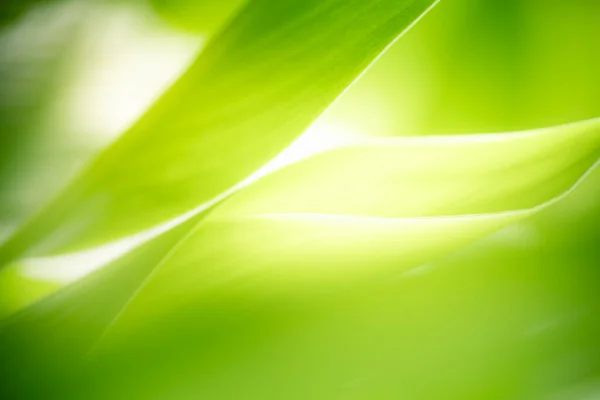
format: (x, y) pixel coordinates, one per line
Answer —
(408, 177)
(287, 249)
(291, 288)
(219, 305)
(290, 256)
(259, 84)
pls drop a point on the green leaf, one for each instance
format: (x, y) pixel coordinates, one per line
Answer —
(368, 212)
(256, 87)
(480, 325)
(241, 279)
(428, 176)
(248, 297)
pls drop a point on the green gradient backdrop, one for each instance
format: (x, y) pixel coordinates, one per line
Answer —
(515, 315)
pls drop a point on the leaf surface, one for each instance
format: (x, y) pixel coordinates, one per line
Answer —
(260, 275)
(366, 213)
(408, 177)
(256, 87)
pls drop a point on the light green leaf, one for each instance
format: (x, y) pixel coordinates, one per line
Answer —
(366, 213)
(257, 86)
(234, 264)
(390, 205)
(232, 329)
(480, 326)
(371, 210)
(60, 326)
(428, 176)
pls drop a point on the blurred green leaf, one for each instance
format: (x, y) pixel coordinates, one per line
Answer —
(258, 85)
(187, 293)
(367, 212)
(325, 279)
(428, 176)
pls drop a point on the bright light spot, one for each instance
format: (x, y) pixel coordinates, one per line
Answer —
(67, 268)
(321, 136)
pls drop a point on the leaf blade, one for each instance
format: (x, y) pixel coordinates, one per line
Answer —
(428, 176)
(240, 270)
(273, 71)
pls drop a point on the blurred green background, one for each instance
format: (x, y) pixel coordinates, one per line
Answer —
(76, 73)
(514, 316)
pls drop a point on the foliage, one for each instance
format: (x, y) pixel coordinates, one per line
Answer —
(307, 280)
